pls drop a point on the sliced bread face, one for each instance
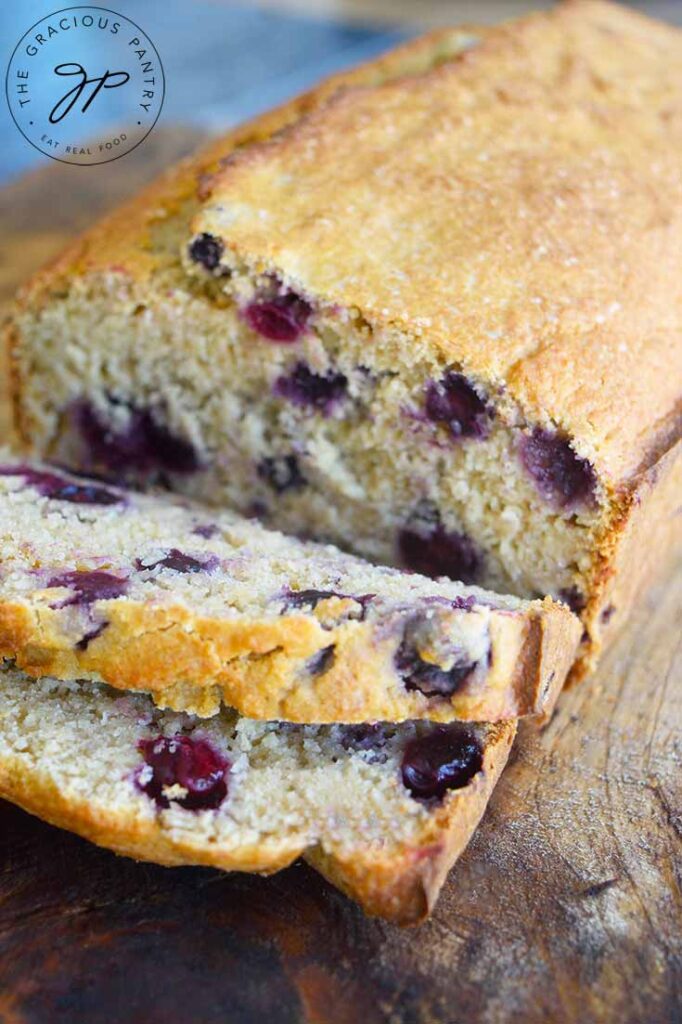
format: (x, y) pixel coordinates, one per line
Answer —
(153, 593)
(383, 811)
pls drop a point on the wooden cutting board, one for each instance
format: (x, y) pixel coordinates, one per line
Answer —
(565, 908)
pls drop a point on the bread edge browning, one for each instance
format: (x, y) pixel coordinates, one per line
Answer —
(548, 655)
(189, 662)
(643, 542)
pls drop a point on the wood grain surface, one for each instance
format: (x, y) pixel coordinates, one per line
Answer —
(567, 907)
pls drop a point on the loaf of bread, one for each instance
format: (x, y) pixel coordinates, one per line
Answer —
(431, 312)
(383, 811)
(199, 607)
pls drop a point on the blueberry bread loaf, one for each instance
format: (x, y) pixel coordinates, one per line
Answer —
(434, 317)
(157, 594)
(383, 811)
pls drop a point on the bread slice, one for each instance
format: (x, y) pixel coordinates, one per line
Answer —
(468, 253)
(157, 594)
(369, 806)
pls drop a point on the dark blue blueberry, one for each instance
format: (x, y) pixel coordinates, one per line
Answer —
(607, 614)
(183, 761)
(279, 317)
(454, 402)
(560, 475)
(363, 737)
(143, 446)
(429, 679)
(256, 509)
(206, 250)
(206, 530)
(91, 635)
(312, 390)
(447, 757)
(308, 600)
(574, 598)
(434, 551)
(85, 494)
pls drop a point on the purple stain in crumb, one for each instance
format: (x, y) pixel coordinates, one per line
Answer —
(607, 614)
(89, 586)
(370, 736)
(144, 445)
(278, 315)
(282, 473)
(178, 561)
(206, 250)
(321, 661)
(308, 600)
(91, 635)
(454, 402)
(321, 391)
(560, 474)
(192, 764)
(435, 551)
(446, 757)
(60, 488)
(206, 530)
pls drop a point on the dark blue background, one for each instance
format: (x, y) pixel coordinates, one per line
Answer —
(223, 62)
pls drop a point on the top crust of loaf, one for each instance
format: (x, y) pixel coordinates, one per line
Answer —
(519, 210)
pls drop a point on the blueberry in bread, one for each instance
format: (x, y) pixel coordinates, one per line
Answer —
(383, 811)
(431, 312)
(200, 608)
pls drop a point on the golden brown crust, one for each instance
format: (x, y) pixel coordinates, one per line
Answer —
(401, 885)
(548, 655)
(546, 162)
(190, 662)
(643, 542)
